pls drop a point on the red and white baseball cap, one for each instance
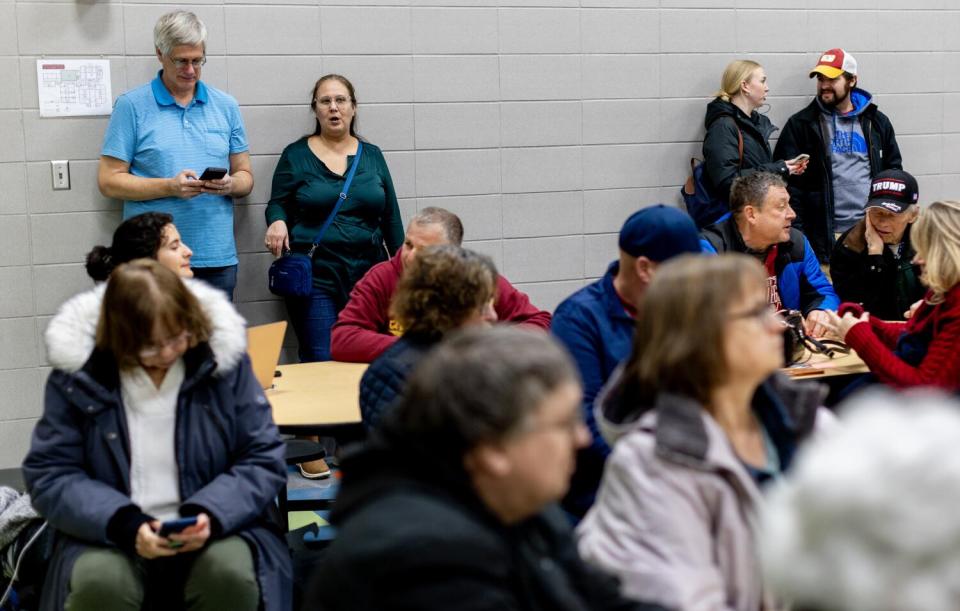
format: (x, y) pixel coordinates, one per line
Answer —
(833, 63)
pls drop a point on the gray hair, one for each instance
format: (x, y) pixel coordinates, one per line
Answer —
(452, 226)
(867, 517)
(752, 189)
(179, 28)
(481, 385)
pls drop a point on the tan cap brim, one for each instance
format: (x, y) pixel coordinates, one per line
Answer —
(827, 71)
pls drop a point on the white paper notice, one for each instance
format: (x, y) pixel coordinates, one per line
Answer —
(74, 87)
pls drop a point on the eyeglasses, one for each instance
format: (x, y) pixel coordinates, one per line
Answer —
(177, 341)
(328, 102)
(181, 64)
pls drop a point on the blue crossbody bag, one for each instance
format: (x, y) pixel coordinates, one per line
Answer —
(292, 274)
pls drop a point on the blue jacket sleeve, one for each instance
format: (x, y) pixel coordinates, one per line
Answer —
(60, 486)
(570, 326)
(706, 247)
(234, 498)
(817, 292)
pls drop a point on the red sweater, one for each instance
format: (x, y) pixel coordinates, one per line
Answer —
(874, 342)
(364, 329)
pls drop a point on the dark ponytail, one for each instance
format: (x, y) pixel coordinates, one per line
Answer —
(137, 237)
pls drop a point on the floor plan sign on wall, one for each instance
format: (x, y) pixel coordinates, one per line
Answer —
(74, 87)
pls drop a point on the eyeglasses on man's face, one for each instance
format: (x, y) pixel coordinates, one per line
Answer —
(182, 64)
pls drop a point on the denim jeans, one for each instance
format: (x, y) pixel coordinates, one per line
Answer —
(223, 278)
(312, 318)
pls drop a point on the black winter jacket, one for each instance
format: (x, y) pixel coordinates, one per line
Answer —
(884, 285)
(721, 155)
(386, 377)
(811, 193)
(413, 535)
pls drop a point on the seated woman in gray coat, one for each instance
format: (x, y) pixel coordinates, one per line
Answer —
(699, 424)
(152, 413)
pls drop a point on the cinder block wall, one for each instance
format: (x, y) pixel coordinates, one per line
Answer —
(543, 123)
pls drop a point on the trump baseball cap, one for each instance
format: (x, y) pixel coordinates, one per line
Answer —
(659, 232)
(893, 190)
(833, 63)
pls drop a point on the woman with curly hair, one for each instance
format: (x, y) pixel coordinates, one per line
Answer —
(445, 288)
(151, 235)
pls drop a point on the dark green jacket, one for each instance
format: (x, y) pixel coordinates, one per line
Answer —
(304, 194)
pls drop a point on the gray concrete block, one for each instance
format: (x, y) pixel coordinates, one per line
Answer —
(389, 126)
(70, 29)
(22, 392)
(67, 238)
(620, 31)
(275, 30)
(18, 296)
(14, 441)
(13, 195)
(771, 31)
(11, 134)
(459, 125)
(621, 166)
(263, 167)
(57, 283)
(273, 79)
(480, 214)
(897, 72)
(140, 19)
(8, 28)
(621, 121)
(18, 343)
(83, 196)
(441, 173)
(62, 138)
(454, 30)
(922, 154)
(914, 113)
(491, 248)
(543, 259)
(271, 128)
(387, 79)
(252, 276)
(384, 31)
(548, 295)
(456, 78)
(950, 154)
(403, 171)
(14, 241)
(249, 228)
(681, 119)
(621, 76)
(605, 211)
(931, 187)
(528, 170)
(540, 123)
(539, 30)
(528, 215)
(827, 29)
(692, 75)
(599, 251)
(675, 161)
(951, 113)
(9, 74)
(540, 77)
(698, 31)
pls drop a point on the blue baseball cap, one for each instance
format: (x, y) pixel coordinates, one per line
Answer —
(659, 232)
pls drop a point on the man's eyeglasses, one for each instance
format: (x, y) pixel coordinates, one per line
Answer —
(181, 64)
(328, 102)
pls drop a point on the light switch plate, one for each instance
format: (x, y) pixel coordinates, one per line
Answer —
(61, 174)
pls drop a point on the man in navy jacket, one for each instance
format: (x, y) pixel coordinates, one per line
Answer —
(596, 323)
(760, 224)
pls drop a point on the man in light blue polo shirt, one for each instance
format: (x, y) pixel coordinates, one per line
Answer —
(161, 138)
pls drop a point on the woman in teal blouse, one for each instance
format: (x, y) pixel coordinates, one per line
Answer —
(367, 229)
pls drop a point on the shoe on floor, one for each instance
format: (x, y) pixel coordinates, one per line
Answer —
(322, 473)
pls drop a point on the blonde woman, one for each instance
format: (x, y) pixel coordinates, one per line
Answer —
(921, 351)
(731, 117)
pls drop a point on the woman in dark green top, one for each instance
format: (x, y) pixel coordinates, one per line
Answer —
(306, 183)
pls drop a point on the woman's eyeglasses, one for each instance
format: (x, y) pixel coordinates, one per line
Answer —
(328, 102)
(177, 341)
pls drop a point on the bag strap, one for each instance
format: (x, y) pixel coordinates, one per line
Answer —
(739, 144)
(342, 198)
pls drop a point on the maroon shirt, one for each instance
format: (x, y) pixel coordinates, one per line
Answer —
(364, 329)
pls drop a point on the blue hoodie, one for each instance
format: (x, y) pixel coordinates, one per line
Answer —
(849, 159)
